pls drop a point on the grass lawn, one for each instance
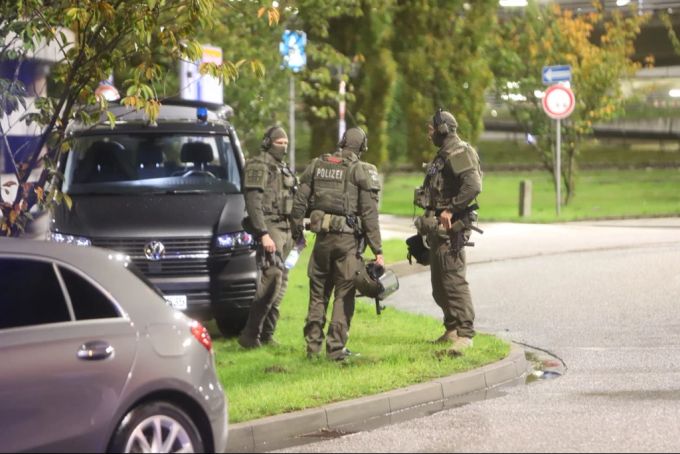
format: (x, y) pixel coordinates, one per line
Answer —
(621, 154)
(393, 346)
(599, 194)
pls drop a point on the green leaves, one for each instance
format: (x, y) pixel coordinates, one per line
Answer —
(548, 36)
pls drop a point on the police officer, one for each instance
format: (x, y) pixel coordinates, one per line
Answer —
(452, 182)
(269, 187)
(340, 193)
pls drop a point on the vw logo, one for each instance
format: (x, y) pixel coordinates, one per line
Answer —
(154, 250)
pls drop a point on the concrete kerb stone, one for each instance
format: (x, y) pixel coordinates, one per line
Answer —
(366, 413)
(281, 431)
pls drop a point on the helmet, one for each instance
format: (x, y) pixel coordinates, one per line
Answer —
(354, 139)
(374, 281)
(444, 122)
(271, 135)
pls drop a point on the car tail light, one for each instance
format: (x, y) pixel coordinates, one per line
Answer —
(201, 334)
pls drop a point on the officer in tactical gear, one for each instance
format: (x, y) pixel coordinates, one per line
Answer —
(339, 193)
(269, 188)
(452, 182)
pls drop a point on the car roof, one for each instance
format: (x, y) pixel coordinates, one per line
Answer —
(171, 112)
(103, 266)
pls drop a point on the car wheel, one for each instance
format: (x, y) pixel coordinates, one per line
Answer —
(231, 324)
(156, 427)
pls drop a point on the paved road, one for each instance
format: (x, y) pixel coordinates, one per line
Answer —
(603, 297)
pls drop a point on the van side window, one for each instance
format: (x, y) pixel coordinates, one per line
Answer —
(87, 301)
(30, 294)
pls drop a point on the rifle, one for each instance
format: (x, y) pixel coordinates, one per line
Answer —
(460, 225)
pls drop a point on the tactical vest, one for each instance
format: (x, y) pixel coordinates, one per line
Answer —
(276, 181)
(442, 181)
(335, 192)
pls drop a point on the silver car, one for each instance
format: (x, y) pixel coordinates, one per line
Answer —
(92, 359)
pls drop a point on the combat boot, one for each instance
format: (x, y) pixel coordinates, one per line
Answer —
(449, 336)
(269, 340)
(249, 342)
(460, 346)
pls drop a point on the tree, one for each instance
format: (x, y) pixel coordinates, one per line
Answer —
(257, 101)
(108, 36)
(361, 37)
(441, 52)
(598, 46)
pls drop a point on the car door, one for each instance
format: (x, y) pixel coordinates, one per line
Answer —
(65, 353)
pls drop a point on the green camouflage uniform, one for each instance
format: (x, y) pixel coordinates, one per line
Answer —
(340, 193)
(269, 187)
(453, 181)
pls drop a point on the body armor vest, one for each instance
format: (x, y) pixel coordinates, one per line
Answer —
(335, 192)
(441, 182)
(279, 190)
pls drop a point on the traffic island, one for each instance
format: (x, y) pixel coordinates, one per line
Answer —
(371, 412)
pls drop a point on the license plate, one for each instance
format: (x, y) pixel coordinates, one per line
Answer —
(178, 302)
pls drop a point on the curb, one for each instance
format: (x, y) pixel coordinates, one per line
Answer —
(371, 412)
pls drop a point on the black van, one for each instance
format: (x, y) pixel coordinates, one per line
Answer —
(169, 196)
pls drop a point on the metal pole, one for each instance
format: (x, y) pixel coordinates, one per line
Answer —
(341, 110)
(291, 124)
(558, 158)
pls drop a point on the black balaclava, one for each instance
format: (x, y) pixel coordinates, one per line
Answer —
(444, 123)
(354, 139)
(273, 134)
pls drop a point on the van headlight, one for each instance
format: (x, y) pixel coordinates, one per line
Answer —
(236, 240)
(68, 239)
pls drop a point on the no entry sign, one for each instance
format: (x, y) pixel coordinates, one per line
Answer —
(558, 102)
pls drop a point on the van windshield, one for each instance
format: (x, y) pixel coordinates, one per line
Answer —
(151, 163)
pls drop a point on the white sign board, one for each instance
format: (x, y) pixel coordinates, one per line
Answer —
(558, 102)
(195, 87)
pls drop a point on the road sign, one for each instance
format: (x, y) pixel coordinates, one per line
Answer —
(554, 74)
(195, 86)
(292, 48)
(558, 102)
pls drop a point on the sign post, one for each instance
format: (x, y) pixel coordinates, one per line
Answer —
(342, 125)
(558, 103)
(292, 48)
(555, 74)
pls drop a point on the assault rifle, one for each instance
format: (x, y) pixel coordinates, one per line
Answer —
(461, 222)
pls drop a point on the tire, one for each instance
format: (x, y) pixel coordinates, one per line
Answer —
(232, 323)
(137, 430)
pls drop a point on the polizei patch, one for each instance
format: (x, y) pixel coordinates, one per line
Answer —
(330, 174)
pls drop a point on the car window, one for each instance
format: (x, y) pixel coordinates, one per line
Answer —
(30, 294)
(87, 301)
(124, 163)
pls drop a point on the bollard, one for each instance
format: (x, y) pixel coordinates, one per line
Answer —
(525, 198)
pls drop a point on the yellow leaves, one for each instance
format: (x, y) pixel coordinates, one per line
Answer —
(152, 109)
(67, 199)
(533, 50)
(39, 192)
(257, 68)
(130, 101)
(106, 10)
(273, 14)
(649, 61)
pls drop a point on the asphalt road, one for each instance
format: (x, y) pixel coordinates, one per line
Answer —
(601, 296)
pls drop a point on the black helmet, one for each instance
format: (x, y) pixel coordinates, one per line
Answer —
(374, 281)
